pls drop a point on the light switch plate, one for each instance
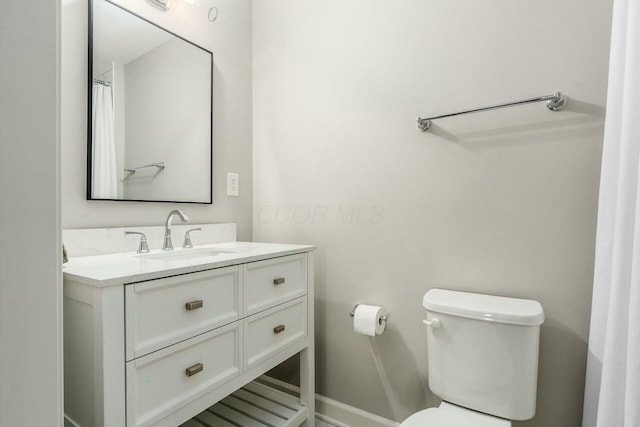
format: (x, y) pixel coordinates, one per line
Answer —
(233, 184)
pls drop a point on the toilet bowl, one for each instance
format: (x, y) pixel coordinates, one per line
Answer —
(482, 359)
(449, 415)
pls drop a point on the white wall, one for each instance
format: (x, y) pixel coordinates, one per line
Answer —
(502, 202)
(174, 78)
(30, 247)
(229, 38)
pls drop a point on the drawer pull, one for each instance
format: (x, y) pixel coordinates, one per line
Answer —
(192, 370)
(278, 329)
(278, 281)
(192, 305)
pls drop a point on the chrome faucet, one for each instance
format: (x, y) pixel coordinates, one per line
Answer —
(168, 244)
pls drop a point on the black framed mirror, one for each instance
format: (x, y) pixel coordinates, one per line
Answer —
(150, 111)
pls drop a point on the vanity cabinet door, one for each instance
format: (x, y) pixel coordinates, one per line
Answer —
(273, 330)
(163, 312)
(162, 382)
(274, 281)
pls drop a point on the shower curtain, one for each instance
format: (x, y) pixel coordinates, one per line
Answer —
(104, 178)
(612, 395)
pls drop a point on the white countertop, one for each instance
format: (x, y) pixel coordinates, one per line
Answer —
(130, 267)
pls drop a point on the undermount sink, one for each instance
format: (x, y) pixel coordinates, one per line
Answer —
(185, 255)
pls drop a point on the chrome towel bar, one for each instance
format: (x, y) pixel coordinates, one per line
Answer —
(555, 102)
(159, 165)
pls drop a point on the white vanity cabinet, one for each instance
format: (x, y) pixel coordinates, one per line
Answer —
(161, 350)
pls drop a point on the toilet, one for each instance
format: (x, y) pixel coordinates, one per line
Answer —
(482, 353)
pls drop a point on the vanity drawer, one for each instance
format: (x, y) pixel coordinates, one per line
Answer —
(272, 330)
(165, 311)
(161, 382)
(274, 281)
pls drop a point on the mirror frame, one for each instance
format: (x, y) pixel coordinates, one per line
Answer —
(90, 108)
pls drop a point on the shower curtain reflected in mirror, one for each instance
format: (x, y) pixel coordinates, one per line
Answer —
(105, 173)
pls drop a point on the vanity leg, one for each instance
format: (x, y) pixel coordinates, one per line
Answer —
(307, 356)
(307, 385)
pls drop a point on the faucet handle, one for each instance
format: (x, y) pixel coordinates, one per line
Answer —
(143, 248)
(187, 238)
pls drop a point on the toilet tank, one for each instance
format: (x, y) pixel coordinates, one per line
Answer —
(484, 354)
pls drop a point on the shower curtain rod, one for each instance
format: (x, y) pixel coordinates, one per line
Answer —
(102, 82)
(555, 102)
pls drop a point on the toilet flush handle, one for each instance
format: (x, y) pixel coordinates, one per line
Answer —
(434, 323)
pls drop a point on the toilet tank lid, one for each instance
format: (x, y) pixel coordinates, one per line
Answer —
(484, 307)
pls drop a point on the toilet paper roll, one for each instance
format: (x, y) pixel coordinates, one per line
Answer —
(367, 320)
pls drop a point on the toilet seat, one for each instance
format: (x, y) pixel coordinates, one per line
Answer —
(449, 415)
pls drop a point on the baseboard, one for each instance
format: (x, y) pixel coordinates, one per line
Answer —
(343, 415)
(335, 412)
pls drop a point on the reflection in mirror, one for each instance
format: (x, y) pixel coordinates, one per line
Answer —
(150, 103)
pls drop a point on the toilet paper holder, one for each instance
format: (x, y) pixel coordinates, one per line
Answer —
(381, 319)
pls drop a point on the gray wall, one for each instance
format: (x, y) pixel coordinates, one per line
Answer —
(177, 128)
(30, 249)
(229, 38)
(501, 202)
